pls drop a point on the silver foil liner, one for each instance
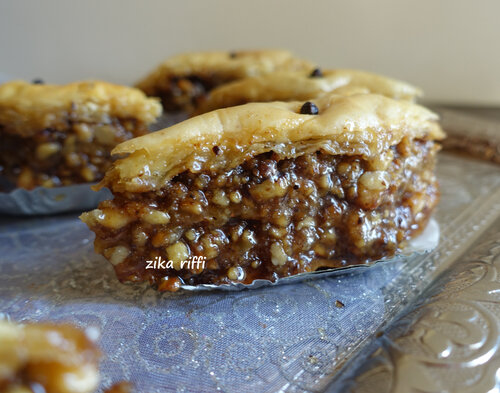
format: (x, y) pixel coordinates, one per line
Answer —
(42, 200)
(422, 244)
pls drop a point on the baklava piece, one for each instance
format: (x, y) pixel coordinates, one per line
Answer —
(54, 135)
(268, 190)
(303, 85)
(47, 358)
(183, 80)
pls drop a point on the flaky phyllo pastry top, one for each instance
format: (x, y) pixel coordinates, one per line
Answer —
(354, 123)
(304, 85)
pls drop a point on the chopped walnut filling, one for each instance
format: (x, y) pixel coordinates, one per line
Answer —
(271, 216)
(76, 152)
(185, 93)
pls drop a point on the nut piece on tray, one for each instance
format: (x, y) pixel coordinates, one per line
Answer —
(303, 85)
(56, 358)
(183, 80)
(54, 135)
(268, 190)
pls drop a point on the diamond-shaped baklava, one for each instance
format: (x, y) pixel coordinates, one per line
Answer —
(183, 80)
(53, 135)
(267, 190)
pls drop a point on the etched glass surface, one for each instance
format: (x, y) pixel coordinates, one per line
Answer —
(293, 338)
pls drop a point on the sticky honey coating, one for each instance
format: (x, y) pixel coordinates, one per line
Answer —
(271, 216)
(53, 135)
(58, 358)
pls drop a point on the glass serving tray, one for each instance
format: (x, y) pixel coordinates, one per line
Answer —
(426, 323)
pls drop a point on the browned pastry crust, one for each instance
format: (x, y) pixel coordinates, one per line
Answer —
(301, 86)
(265, 190)
(183, 80)
(59, 358)
(53, 135)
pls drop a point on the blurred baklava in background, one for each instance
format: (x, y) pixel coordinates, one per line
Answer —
(56, 135)
(184, 80)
